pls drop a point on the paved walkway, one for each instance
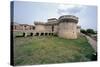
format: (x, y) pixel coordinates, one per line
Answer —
(92, 42)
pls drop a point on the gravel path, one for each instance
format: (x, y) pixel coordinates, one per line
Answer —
(92, 42)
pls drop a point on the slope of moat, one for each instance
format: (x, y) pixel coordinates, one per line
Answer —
(51, 49)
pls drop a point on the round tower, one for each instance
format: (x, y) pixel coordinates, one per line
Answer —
(68, 26)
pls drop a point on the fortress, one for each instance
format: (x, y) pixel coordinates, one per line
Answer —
(65, 26)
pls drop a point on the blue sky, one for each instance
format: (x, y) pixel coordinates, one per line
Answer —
(28, 12)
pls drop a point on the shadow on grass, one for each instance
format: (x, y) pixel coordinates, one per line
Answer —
(19, 36)
(94, 57)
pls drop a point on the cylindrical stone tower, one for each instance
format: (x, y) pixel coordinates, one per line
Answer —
(68, 26)
(78, 30)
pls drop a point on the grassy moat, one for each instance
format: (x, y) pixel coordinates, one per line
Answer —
(50, 49)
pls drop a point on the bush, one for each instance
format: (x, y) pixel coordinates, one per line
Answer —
(88, 32)
(83, 31)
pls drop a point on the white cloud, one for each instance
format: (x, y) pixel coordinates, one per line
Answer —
(69, 9)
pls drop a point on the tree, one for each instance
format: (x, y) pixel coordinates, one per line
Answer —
(91, 31)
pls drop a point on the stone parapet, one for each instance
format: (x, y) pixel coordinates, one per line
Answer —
(68, 18)
(52, 20)
(39, 23)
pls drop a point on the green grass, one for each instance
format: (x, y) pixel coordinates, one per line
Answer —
(49, 49)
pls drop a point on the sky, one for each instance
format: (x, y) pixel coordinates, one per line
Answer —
(28, 12)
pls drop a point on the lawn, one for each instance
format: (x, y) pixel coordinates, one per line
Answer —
(50, 49)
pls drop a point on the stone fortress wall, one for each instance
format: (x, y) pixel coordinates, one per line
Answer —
(65, 26)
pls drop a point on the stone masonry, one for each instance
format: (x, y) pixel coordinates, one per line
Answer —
(65, 27)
